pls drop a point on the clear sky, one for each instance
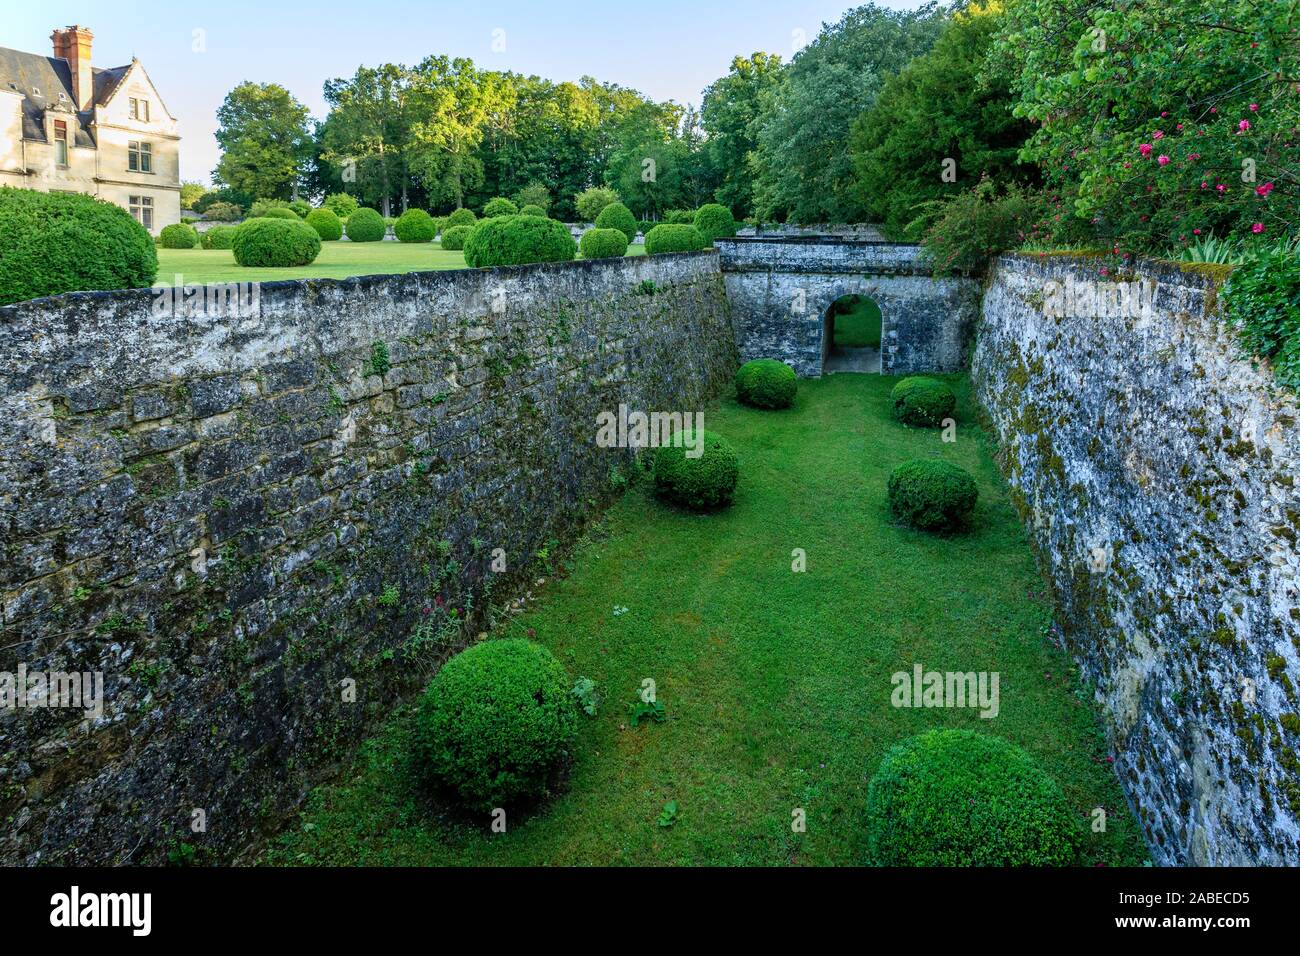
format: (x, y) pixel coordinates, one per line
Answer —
(667, 49)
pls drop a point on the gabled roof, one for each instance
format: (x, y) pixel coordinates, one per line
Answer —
(45, 83)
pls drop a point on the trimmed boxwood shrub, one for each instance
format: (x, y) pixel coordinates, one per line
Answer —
(66, 242)
(766, 383)
(278, 212)
(603, 244)
(617, 216)
(275, 242)
(680, 217)
(300, 207)
(922, 401)
(701, 483)
(670, 237)
(516, 240)
(500, 206)
(366, 225)
(178, 236)
(327, 225)
(497, 725)
(461, 217)
(453, 238)
(932, 495)
(415, 225)
(961, 798)
(531, 210)
(715, 221)
(219, 237)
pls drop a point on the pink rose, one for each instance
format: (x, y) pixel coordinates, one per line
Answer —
(1243, 125)
(1264, 190)
(1221, 188)
(1196, 232)
(1162, 160)
(1257, 228)
(1254, 107)
(1145, 150)
(1159, 134)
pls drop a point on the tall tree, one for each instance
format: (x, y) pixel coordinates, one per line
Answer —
(367, 135)
(265, 141)
(730, 114)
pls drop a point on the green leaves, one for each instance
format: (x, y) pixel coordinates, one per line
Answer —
(668, 816)
(1263, 300)
(640, 710)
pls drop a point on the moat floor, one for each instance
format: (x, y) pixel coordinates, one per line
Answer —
(776, 683)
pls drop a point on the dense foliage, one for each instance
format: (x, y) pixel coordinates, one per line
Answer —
(497, 725)
(714, 222)
(926, 402)
(219, 237)
(592, 200)
(702, 481)
(1262, 298)
(500, 206)
(461, 217)
(531, 210)
(516, 240)
(453, 237)
(602, 244)
(931, 494)
(327, 225)
(275, 242)
(415, 225)
(366, 225)
(341, 204)
(766, 383)
(673, 238)
(178, 235)
(617, 216)
(961, 798)
(65, 242)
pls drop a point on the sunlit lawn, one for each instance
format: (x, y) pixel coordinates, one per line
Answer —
(337, 260)
(776, 683)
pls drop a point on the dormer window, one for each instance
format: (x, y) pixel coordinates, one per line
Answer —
(61, 143)
(139, 110)
(139, 157)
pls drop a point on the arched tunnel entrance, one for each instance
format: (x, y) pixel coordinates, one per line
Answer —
(851, 330)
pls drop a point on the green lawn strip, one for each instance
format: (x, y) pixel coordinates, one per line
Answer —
(337, 260)
(776, 684)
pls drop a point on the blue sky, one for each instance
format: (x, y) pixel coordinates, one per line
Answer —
(668, 49)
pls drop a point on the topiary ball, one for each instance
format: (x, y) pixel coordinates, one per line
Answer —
(961, 798)
(497, 725)
(668, 237)
(66, 242)
(461, 217)
(499, 206)
(366, 225)
(922, 401)
(715, 222)
(617, 216)
(517, 240)
(453, 238)
(703, 482)
(275, 242)
(766, 383)
(277, 212)
(219, 237)
(415, 225)
(932, 495)
(178, 236)
(531, 210)
(327, 225)
(603, 244)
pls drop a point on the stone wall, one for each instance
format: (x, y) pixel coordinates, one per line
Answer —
(780, 291)
(244, 521)
(1156, 471)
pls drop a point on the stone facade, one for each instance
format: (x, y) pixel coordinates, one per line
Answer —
(781, 289)
(1156, 471)
(235, 519)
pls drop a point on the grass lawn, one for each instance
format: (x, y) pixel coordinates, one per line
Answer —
(859, 325)
(337, 260)
(776, 684)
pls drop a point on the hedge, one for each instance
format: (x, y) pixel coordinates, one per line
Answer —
(932, 495)
(453, 238)
(715, 222)
(327, 225)
(219, 237)
(961, 798)
(701, 483)
(497, 725)
(516, 240)
(500, 206)
(415, 225)
(603, 244)
(275, 242)
(617, 216)
(65, 242)
(366, 225)
(922, 401)
(178, 236)
(669, 237)
(766, 383)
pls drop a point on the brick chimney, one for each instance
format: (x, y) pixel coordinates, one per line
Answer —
(73, 45)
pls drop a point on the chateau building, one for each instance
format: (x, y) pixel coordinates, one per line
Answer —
(66, 125)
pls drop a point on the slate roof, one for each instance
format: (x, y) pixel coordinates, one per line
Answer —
(41, 80)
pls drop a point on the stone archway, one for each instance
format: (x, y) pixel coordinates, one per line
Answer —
(852, 334)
